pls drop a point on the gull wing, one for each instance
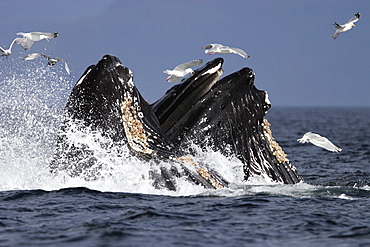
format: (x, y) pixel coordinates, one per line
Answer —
(239, 52)
(32, 56)
(66, 67)
(59, 59)
(337, 26)
(208, 46)
(354, 19)
(17, 41)
(48, 57)
(172, 78)
(45, 35)
(323, 142)
(193, 63)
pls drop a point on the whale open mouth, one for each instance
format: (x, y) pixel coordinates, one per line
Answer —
(230, 118)
(225, 114)
(105, 100)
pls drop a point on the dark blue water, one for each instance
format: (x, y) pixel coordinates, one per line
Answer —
(82, 217)
(331, 208)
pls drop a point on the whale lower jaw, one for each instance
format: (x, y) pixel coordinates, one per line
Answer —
(215, 113)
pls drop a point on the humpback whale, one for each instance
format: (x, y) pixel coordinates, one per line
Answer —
(224, 114)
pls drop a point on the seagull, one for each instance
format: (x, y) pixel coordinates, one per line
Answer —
(319, 141)
(222, 49)
(51, 61)
(30, 38)
(9, 51)
(345, 27)
(182, 70)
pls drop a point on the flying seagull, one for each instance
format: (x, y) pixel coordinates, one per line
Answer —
(182, 70)
(345, 27)
(51, 61)
(222, 49)
(30, 38)
(9, 51)
(319, 141)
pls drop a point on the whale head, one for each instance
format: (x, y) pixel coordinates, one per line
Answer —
(227, 115)
(106, 101)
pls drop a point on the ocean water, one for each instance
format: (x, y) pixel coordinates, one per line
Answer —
(331, 207)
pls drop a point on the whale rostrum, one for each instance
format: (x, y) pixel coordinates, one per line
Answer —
(226, 115)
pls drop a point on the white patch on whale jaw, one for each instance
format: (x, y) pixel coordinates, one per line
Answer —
(192, 164)
(137, 137)
(267, 98)
(130, 82)
(131, 113)
(212, 70)
(274, 146)
(217, 69)
(83, 77)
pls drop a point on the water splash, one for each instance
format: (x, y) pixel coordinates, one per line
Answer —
(31, 105)
(31, 108)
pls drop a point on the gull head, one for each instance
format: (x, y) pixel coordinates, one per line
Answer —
(189, 70)
(52, 62)
(305, 138)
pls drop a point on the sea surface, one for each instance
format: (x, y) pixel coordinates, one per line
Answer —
(121, 208)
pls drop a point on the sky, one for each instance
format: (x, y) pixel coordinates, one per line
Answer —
(292, 53)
